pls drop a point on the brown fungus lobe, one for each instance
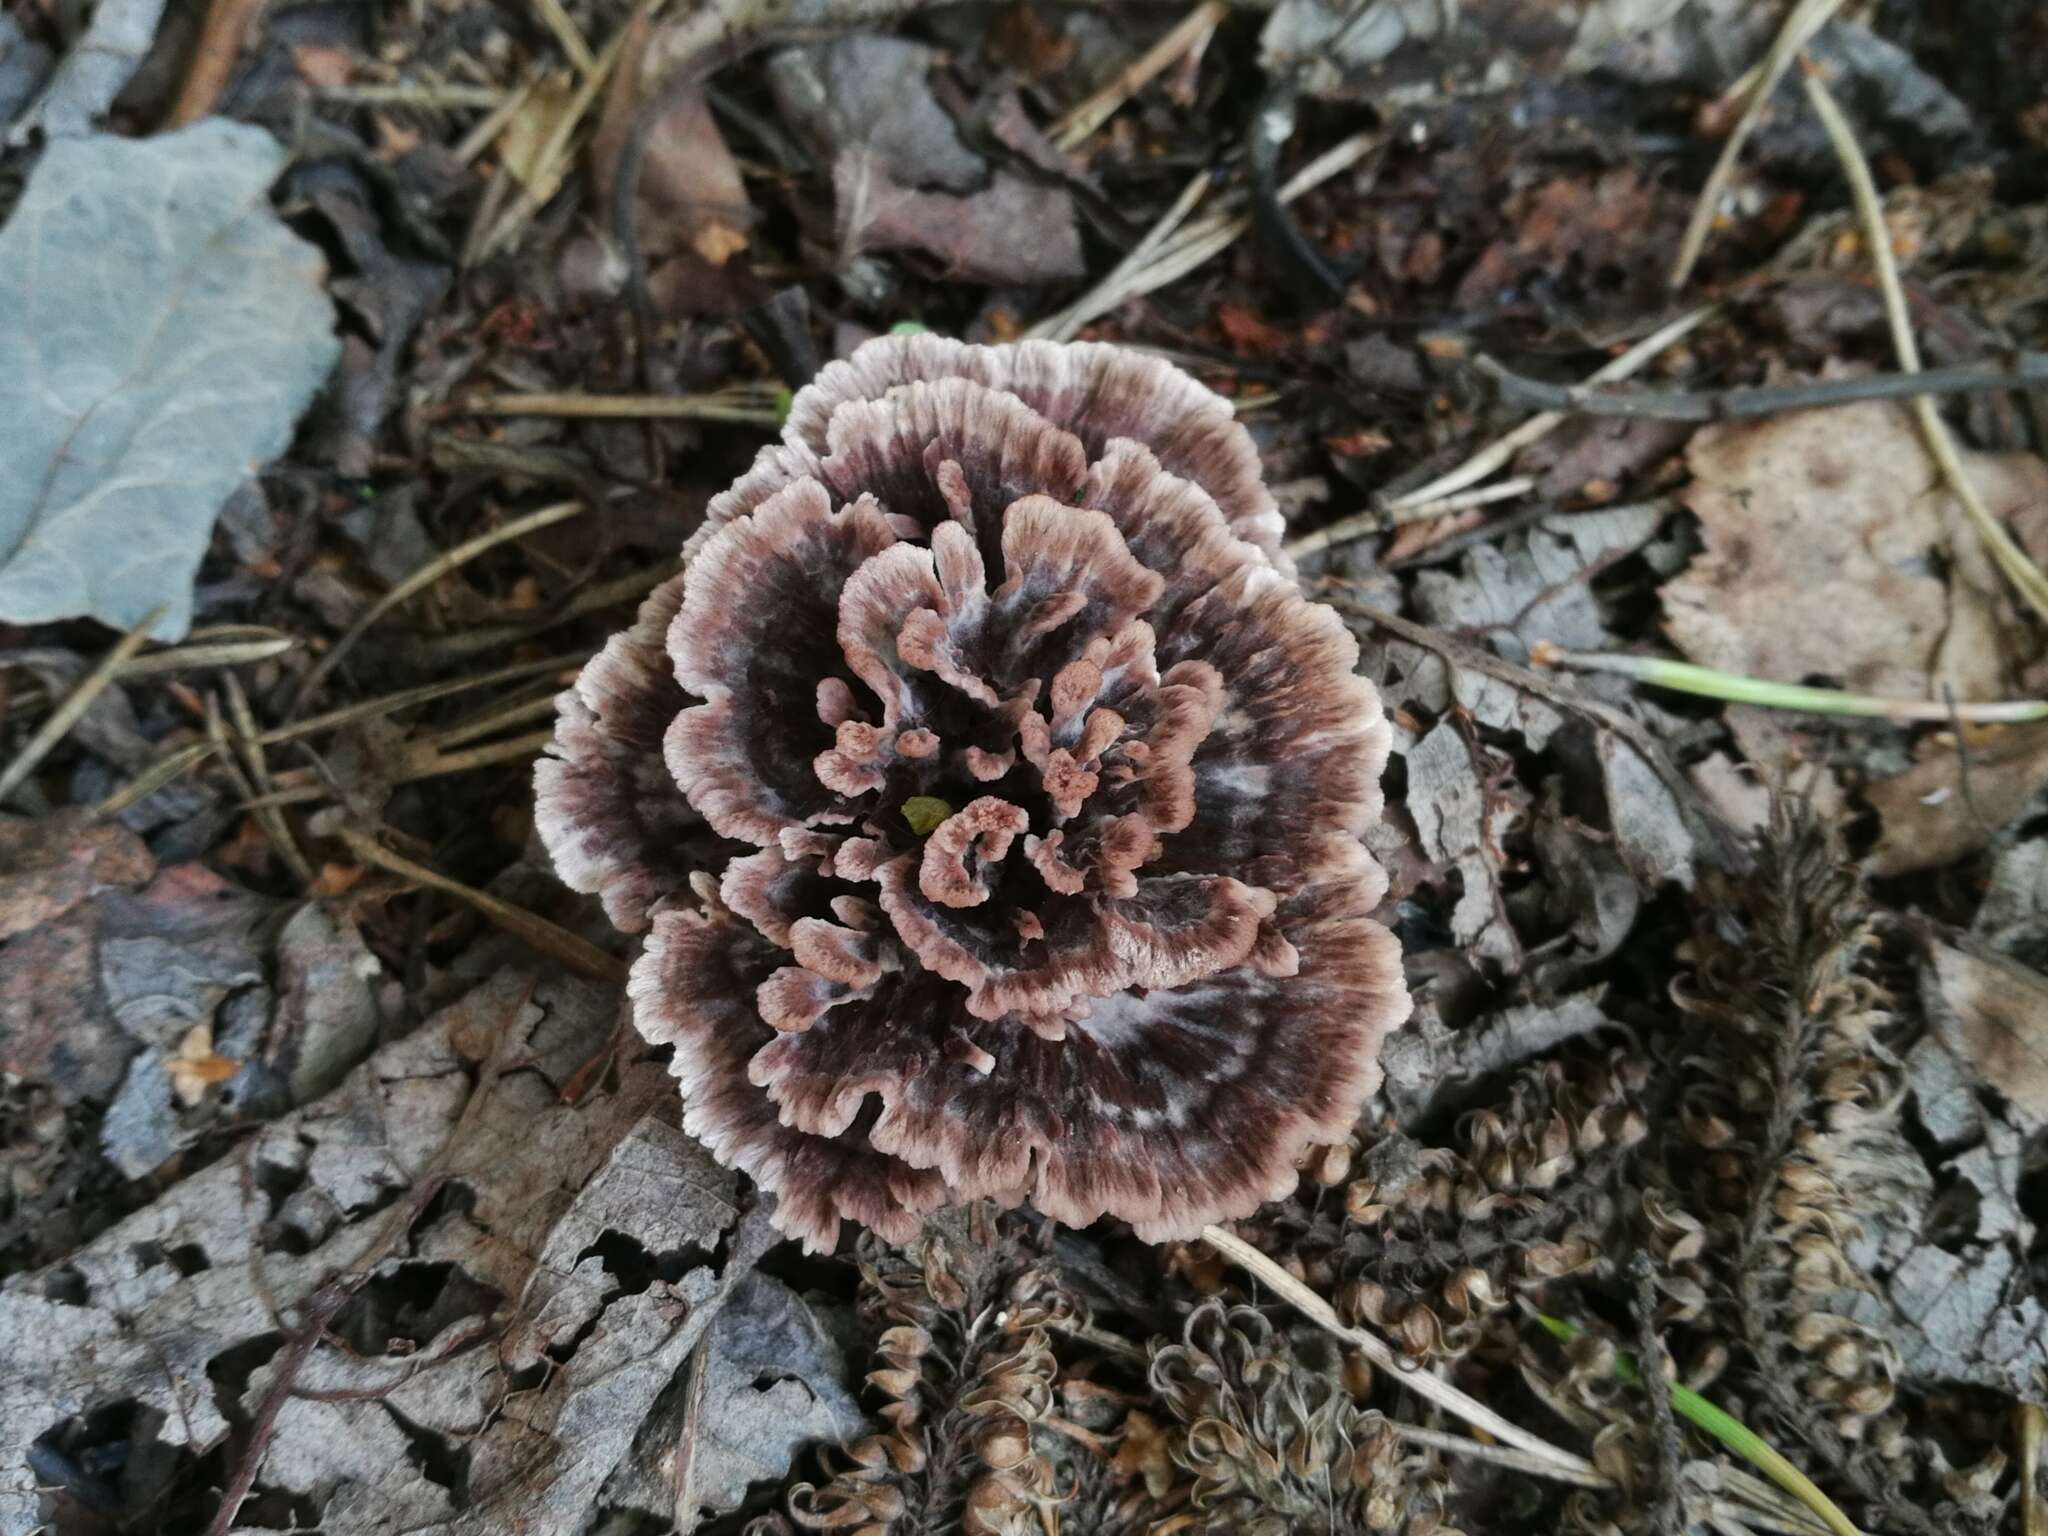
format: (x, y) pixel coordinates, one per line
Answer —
(1054, 786)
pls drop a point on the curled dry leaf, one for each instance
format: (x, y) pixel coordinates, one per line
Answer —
(1055, 787)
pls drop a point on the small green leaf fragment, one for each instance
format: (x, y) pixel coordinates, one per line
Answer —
(785, 397)
(908, 328)
(924, 813)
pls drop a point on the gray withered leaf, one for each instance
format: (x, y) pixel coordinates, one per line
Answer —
(163, 332)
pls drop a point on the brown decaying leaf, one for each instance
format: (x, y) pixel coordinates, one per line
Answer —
(1992, 1012)
(1016, 231)
(50, 864)
(693, 205)
(1595, 223)
(1826, 533)
(1955, 800)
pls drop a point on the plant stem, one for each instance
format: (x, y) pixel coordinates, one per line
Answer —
(1731, 1432)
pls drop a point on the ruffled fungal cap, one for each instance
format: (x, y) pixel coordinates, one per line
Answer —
(1044, 788)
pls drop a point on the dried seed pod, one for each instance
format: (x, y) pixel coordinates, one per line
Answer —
(1437, 1241)
(1274, 1445)
(965, 1361)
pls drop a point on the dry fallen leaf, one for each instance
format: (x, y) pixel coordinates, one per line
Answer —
(164, 330)
(875, 93)
(50, 864)
(1614, 223)
(526, 1328)
(1954, 801)
(1828, 542)
(1992, 1012)
(692, 204)
(1016, 231)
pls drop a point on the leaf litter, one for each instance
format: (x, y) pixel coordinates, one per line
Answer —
(325, 1202)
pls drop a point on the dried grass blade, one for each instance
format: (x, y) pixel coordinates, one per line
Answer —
(76, 703)
(425, 577)
(1801, 23)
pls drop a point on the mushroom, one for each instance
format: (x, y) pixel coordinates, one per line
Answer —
(1047, 787)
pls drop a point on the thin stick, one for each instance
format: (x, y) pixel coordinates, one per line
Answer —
(321, 1309)
(2032, 1426)
(1497, 453)
(173, 765)
(2025, 576)
(1801, 23)
(480, 137)
(1100, 1338)
(1374, 520)
(176, 764)
(592, 599)
(568, 34)
(1188, 35)
(212, 653)
(177, 658)
(1382, 1354)
(489, 722)
(579, 955)
(2019, 371)
(221, 37)
(423, 760)
(747, 406)
(1707, 682)
(424, 693)
(439, 98)
(76, 703)
(424, 577)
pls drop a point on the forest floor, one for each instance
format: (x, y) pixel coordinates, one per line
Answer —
(335, 1193)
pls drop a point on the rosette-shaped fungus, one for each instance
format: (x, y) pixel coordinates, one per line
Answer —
(1041, 790)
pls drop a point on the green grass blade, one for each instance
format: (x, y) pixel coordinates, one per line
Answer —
(1731, 1432)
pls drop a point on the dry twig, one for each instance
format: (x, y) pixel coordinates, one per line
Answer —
(743, 404)
(1169, 251)
(2018, 371)
(221, 37)
(579, 955)
(1434, 498)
